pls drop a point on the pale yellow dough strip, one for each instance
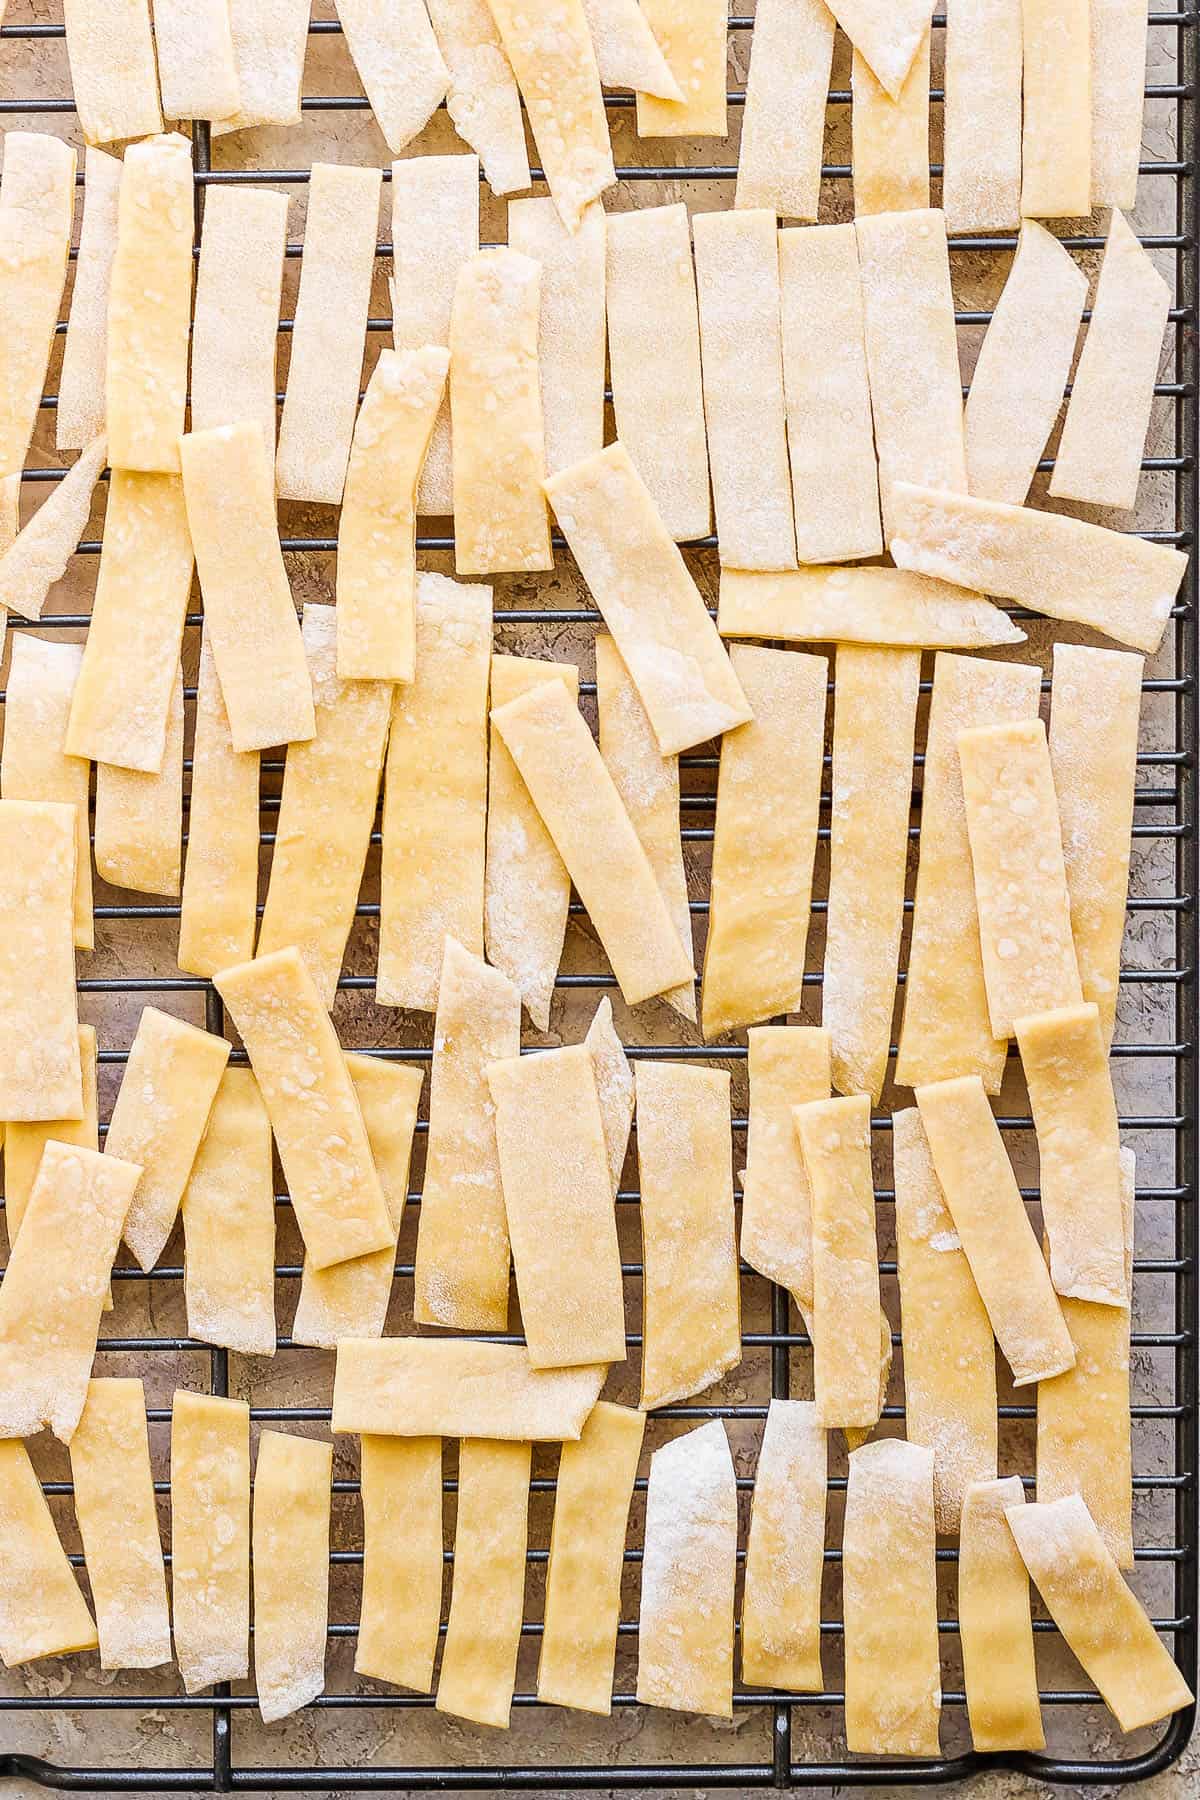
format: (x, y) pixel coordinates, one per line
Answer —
(435, 230)
(627, 51)
(1023, 366)
(1093, 755)
(397, 58)
(487, 1599)
(329, 333)
(37, 206)
(781, 1611)
(482, 101)
(197, 73)
(893, 1679)
(874, 724)
(315, 1115)
(888, 33)
(691, 35)
(654, 362)
(377, 531)
(1108, 415)
(269, 41)
(118, 1522)
(326, 811)
(220, 875)
(41, 679)
(835, 1142)
(912, 354)
(1063, 567)
(458, 1387)
(435, 795)
(685, 1640)
(111, 56)
(38, 555)
(290, 1551)
(558, 1203)
(640, 582)
(557, 758)
(351, 1298)
(1065, 1060)
(24, 1142)
(768, 804)
(526, 888)
(949, 1352)
(737, 286)
(983, 1198)
(402, 1561)
(238, 289)
(461, 1273)
(648, 783)
(139, 818)
(1118, 46)
(555, 66)
(789, 1065)
(170, 1082)
(228, 1212)
(1020, 878)
(691, 1306)
(501, 522)
(80, 415)
(587, 1546)
(42, 1612)
(39, 1018)
(571, 335)
(981, 177)
(783, 120)
(149, 307)
(994, 1623)
(122, 698)
(614, 1085)
(890, 138)
(1056, 137)
(835, 480)
(946, 1029)
(249, 613)
(210, 1538)
(55, 1286)
(1084, 1427)
(859, 606)
(1100, 1619)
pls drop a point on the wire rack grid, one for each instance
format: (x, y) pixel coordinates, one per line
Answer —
(1164, 1340)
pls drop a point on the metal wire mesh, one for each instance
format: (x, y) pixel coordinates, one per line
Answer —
(776, 1346)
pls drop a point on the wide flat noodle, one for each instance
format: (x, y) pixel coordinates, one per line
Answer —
(685, 1639)
(228, 1213)
(1023, 366)
(329, 333)
(981, 176)
(42, 1612)
(765, 841)
(649, 601)
(785, 1554)
(210, 1538)
(889, 1600)
(401, 1486)
(627, 52)
(783, 120)
(890, 138)
(1056, 136)
(38, 555)
(994, 1623)
(587, 1553)
(859, 605)
(149, 307)
(118, 1522)
(113, 75)
(290, 1550)
(39, 1017)
(80, 414)
(34, 766)
(571, 334)
(37, 206)
(269, 41)
(458, 1387)
(138, 823)
(1094, 717)
(25, 1141)
(737, 285)
(197, 73)
(1118, 59)
(949, 1352)
(399, 64)
(691, 1306)
(788, 1066)
(238, 287)
(691, 35)
(482, 101)
(1122, 586)
(654, 362)
(887, 33)
(555, 66)
(483, 1633)
(835, 479)
(220, 875)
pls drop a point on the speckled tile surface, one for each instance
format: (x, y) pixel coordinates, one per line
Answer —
(155, 1736)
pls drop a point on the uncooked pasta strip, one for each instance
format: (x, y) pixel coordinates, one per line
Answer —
(482, 101)
(555, 67)
(487, 1599)
(38, 556)
(37, 206)
(785, 1560)
(42, 1612)
(1118, 46)
(402, 1560)
(994, 1623)
(24, 1141)
(691, 35)
(783, 120)
(890, 153)
(627, 51)
(80, 415)
(458, 1387)
(863, 604)
(210, 1538)
(228, 1213)
(220, 875)
(39, 1015)
(139, 818)
(887, 33)
(571, 334)
(118, 1522)
(788, 1066)
(269, 41)
(111, 55)
(290, 1552)
(238, 288)
(981, 177)
(1056, 136)
(41, 679)
(197, 73)
(399, 64)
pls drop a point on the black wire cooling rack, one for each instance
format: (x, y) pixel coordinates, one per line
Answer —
(1166, 1549)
